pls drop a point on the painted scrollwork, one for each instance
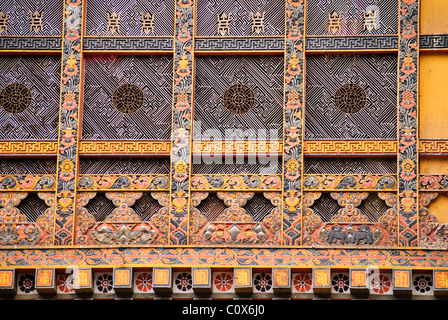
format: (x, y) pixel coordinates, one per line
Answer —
(28, 182)
(350, 182)
(126, 182)
(235, 182)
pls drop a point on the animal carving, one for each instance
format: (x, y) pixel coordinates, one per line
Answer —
(221, 234)
(364, 234)
(247, 235)
(336, 234)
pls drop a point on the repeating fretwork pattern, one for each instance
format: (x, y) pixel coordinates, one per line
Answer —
(104, 74)
(33, 18)
(335, 17)
(263, 74)
(41, 75)
(130, 18)
(375, 74)
(239, 15)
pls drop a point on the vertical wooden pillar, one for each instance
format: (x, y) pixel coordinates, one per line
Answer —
(408, 61)
(181, 127)
(293, 121)
(69, 122)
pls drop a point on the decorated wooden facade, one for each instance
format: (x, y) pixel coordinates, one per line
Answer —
(287, 148)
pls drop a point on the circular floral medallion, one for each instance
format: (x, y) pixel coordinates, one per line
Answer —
(263, 282)
(422, 283)
(350, 98)
(15, 98)
(184, 281)
(302, 282)
(340, 283)
(144, 282)
(238, 99)
(223, 282)
(26, 283)
(127, 98)
(104, 283)
(381, 284)
(65, 283)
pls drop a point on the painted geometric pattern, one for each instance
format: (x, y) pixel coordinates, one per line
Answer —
(350, 17)
(103, 282)
(240, 14)
(143, 282)
(350, 166)
(26, 166)
(104, 74)
(183, 282)
(376, 74)
(41, 75)
(379, 283)
(26, 283)
(19, 17)
(263, 74)
(133, 18)
(64, 283)
(223, 282)
(340, 282)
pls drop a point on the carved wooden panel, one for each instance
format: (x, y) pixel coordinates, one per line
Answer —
(40, 75)
(104, 74)
(375, 74)
(215, 74)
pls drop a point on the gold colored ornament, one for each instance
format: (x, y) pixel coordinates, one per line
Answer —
(223, 24)
(36, 21)
(334, 22)
(3, 22)
(147, 22)
(258, 22)
(292, 165)
(180, 166)
(113, 22)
